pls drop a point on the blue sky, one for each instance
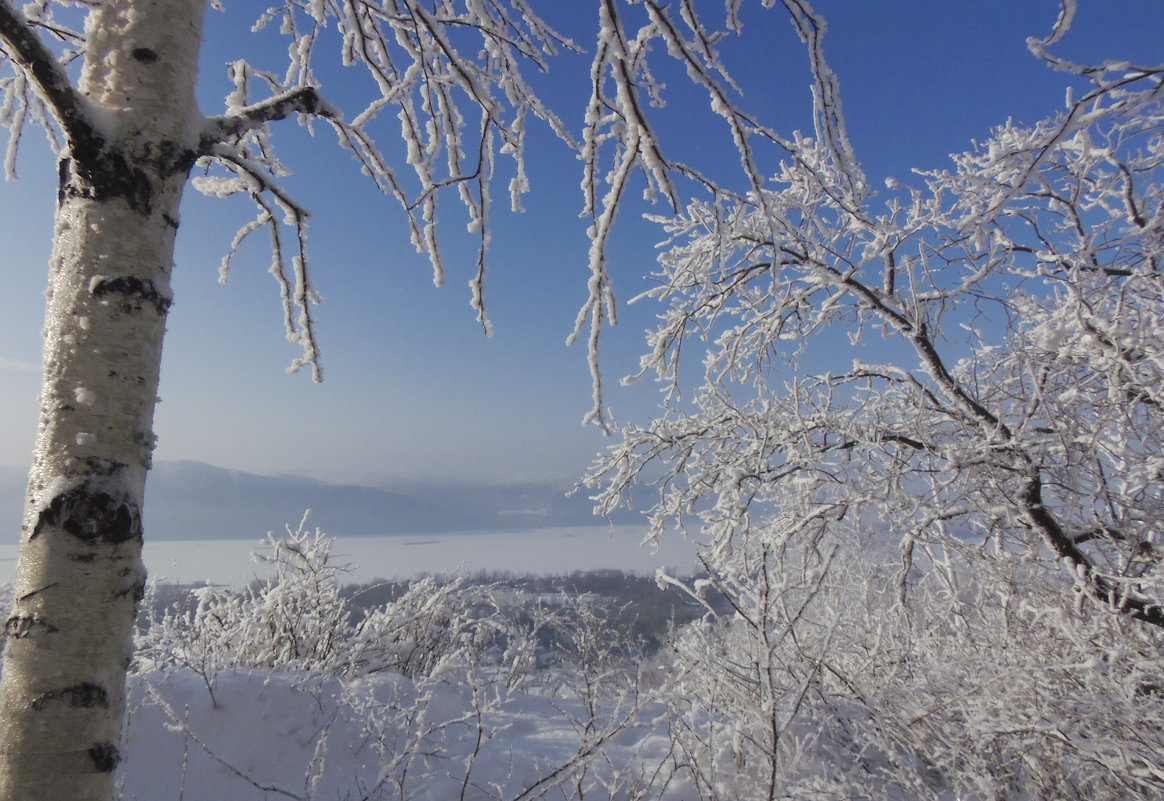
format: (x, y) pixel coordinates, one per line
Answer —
(412, 388)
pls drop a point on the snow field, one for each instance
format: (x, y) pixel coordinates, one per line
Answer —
(285, 735)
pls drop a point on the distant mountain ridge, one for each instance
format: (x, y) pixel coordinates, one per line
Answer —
(188, 500)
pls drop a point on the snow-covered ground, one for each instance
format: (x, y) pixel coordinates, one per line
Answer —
(277, 735)
(447, 692)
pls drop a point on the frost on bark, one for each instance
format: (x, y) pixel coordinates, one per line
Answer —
(80, 573)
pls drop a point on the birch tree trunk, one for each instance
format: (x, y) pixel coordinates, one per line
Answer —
(80, 575)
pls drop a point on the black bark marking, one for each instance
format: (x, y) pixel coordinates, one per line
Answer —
(20, 626)
(105, 757)
(62, 180)
(85, 696)
(101, 175)
(92, 517)
(136, 290)
(104, 467)
(37, 591)
(145, 55)
(1149, 689)
(97, 172)
(136, 591)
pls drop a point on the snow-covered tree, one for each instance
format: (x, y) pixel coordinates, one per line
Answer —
(961, 378)
(112, 83)
(975, 361)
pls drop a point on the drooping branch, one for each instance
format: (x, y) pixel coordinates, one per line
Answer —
(297, 297)
(51, 81)
(810, 26)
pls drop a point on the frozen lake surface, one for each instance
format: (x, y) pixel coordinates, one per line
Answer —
(543, 551)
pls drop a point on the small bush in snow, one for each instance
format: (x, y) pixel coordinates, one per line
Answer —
(826, 683)
(440, 670)
(297, 620)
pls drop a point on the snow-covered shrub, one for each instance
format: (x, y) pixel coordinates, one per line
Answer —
(298, 620)
(743, 689)
(596, 655)
(423, 696)
(826, 683)
(1004, 693)
(413, 634)
(379, 737)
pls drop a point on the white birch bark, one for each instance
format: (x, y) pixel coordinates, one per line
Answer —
(80, 573)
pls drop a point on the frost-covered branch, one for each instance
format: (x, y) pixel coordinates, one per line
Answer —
(831, 127)
(297, 295)
(22, 45)
(1099, 74)
(1113, 592)
(433, 64)
(449, 85)
(300, 100)
(624, 85)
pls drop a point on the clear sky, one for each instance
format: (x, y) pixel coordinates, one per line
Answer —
(412, 388)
